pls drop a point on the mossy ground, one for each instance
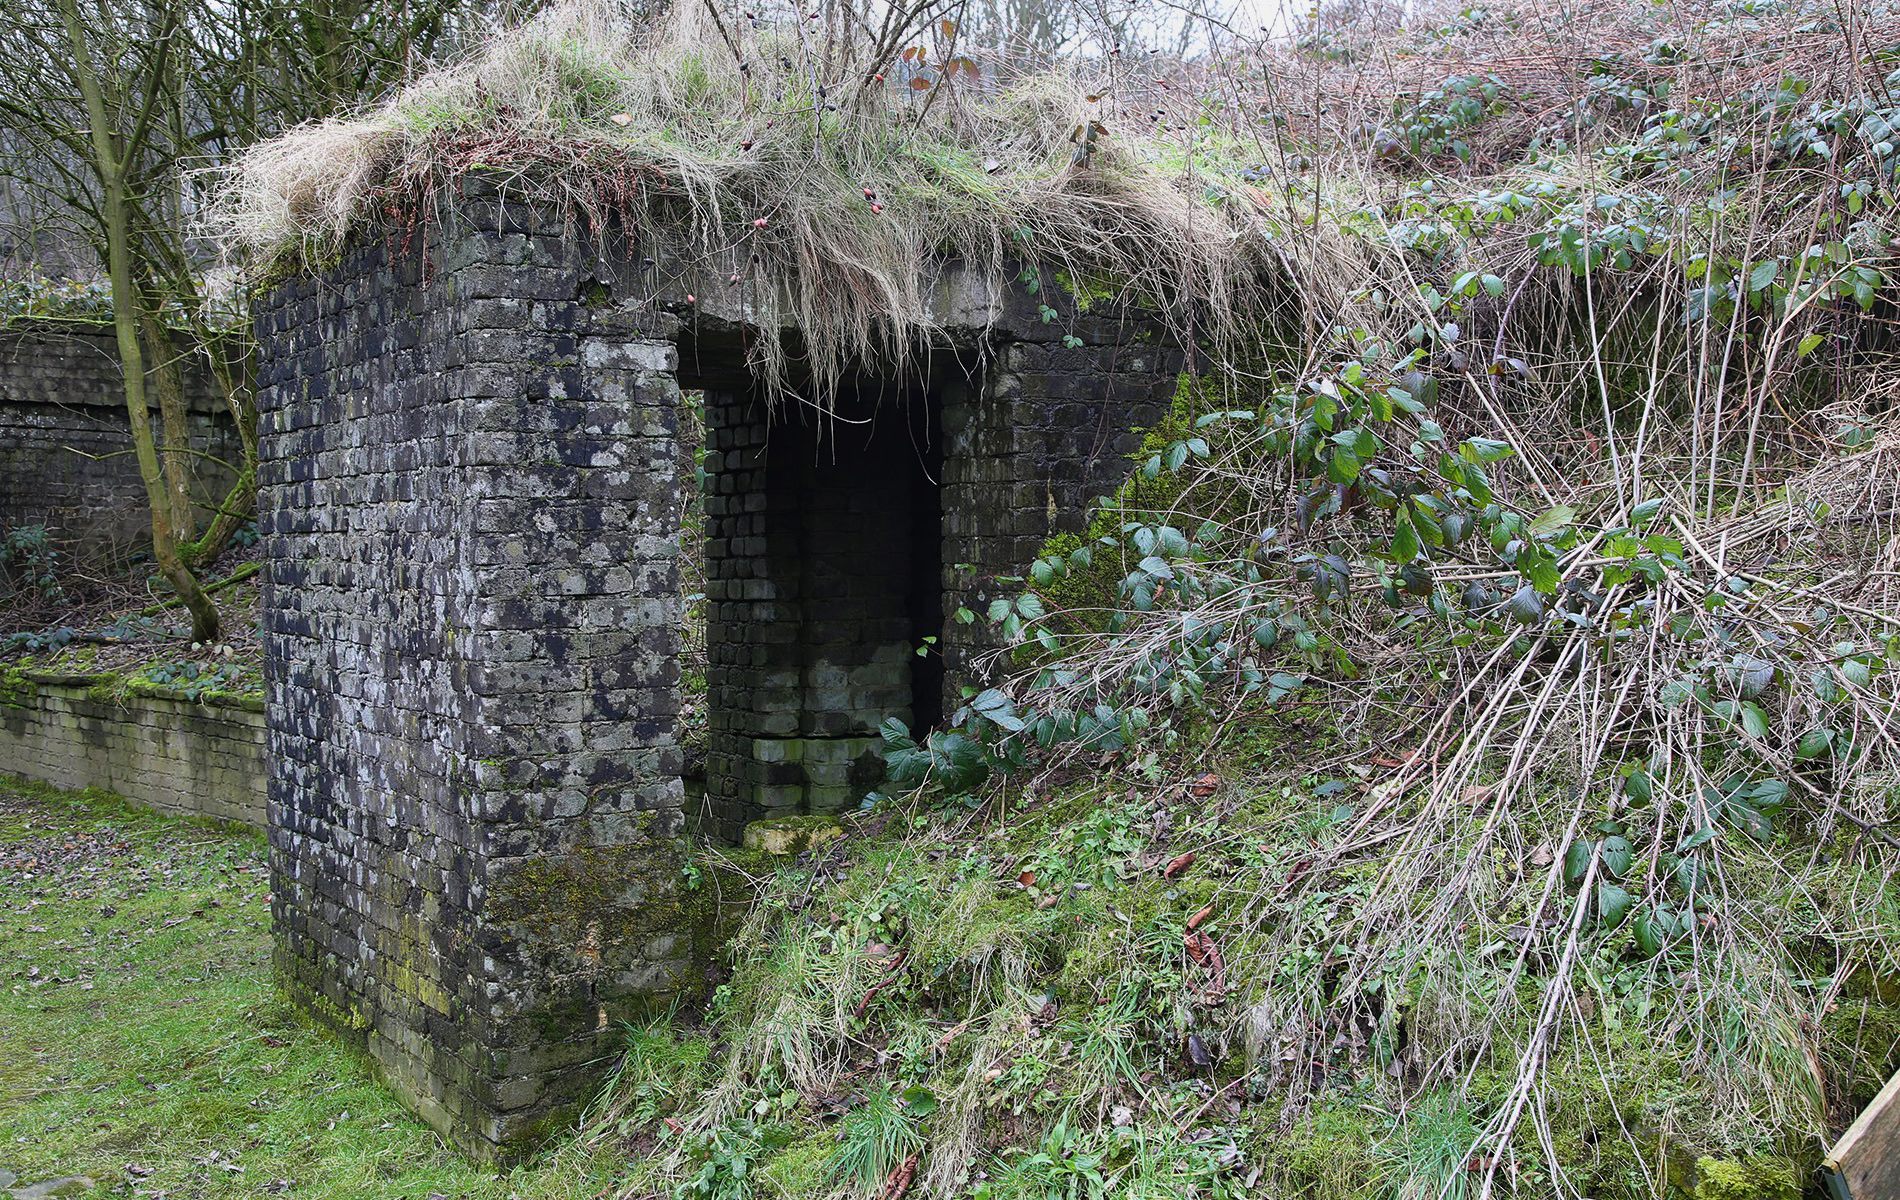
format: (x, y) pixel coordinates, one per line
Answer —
(1044, 1025)
(142, 1042)
(1025, 974)
(107, 635)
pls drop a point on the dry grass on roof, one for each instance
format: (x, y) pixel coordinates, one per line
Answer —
(825, 172)
(1368, 155)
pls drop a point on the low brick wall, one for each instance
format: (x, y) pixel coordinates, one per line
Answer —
(200, 758)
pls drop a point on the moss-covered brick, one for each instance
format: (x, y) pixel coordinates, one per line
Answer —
(468, 494)
(781, 836)
(86, 730)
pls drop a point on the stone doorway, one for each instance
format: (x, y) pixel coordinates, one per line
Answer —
(824, 583)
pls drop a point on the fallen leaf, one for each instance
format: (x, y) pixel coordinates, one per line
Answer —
(1205, 953)
(1197, 1051)
(1194, 922)
(1178, 864)
(900, 1179)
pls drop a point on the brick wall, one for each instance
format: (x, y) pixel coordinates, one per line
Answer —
(1047, 429)
(65, 451)
(468, 498)
(471, 631)
(202, 758)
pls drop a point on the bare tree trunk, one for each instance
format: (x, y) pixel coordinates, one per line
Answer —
(127, 313)
(240, 502)
(174, 449)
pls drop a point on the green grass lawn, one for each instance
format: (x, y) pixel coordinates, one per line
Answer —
(142, 1043)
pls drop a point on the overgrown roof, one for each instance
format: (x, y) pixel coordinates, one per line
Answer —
(827, 166)
(828, 171)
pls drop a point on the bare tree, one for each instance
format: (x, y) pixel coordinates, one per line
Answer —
(111, 112)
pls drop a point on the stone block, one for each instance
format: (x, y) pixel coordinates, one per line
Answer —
(786, 836)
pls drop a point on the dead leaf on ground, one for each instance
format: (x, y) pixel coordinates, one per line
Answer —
(899, 1182)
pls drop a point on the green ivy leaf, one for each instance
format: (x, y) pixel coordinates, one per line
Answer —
(1525, 605)
(1281, 684)
(1754, 721)
(997, 707)
(1699, 837)
(1405, 545)
(1553, 522)
(959, 762)
(1815, 743)
(1577, 860)
(1343, 466)
(1615, 856)
(1613, 904)
(919, 1101)
(1747, 819)
(1540, 569)
(1484, 450)
(1649, 935)
(1637, 786)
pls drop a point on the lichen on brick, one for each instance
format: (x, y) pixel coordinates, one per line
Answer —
(470, 519)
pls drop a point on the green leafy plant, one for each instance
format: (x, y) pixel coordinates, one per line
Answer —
(30, 560)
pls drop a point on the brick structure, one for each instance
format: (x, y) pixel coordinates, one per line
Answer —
(198, 757)
(470, 468)
(66, 452)
(471, 624)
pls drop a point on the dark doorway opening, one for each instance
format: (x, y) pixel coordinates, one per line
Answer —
(824, 580)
